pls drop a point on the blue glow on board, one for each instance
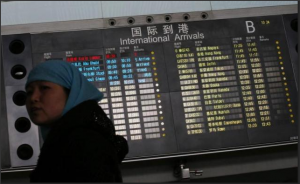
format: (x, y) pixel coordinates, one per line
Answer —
(92, 68)
(100, 79)
(142, 64)
(142, 59)
(100, 73)
(125, 60)
(112, 72)
(141, 80)
(85, 63)
(88, 74)
(113, 77)
(142, 69)
(112, 67)
(129, 76)
(147, 74)
(111, 61)
(128, 81)
(128, 65)
(127, 71)
(113, 83)
(76, 64)
(94, 63)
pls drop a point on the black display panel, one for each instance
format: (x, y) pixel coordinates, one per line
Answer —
(192, 86)
(291, 31)
(135, 87)
(235, 88)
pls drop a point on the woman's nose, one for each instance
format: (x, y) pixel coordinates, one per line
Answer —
(35, 96)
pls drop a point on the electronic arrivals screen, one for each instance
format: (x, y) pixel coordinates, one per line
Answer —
(194, 86)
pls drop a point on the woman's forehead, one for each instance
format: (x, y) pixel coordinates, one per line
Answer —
(37, 83)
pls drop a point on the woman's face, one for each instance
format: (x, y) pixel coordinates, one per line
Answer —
(45, 102)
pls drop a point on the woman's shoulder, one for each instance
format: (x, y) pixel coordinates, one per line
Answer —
(86, 141)
(85, 134)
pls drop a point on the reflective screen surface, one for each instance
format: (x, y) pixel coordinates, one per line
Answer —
(178, 88)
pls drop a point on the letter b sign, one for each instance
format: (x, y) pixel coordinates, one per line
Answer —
(250, 27)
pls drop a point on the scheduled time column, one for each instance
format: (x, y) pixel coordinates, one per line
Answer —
(245, 81)
(259, 81)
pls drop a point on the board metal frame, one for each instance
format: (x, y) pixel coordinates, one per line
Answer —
(104, 23)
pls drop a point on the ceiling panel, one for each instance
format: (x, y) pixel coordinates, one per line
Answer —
(132, 8)
(220, 5)
(24, 12)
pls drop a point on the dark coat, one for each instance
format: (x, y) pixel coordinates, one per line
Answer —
(81, 147)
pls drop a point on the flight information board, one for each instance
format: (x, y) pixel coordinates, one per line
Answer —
(135, 87)
(194, 86)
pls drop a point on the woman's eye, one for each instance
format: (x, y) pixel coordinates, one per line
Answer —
(45, 87)
(28, 93)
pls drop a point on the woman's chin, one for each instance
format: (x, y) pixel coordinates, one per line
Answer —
(40, 121)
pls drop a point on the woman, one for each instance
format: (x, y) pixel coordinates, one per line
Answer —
(80, 144)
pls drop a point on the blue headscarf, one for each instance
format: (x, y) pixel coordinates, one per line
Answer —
(68, 76)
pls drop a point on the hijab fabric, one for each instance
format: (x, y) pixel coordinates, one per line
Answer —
(68, 76)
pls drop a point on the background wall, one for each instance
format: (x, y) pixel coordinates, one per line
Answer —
(24, 12)
(280, 163)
